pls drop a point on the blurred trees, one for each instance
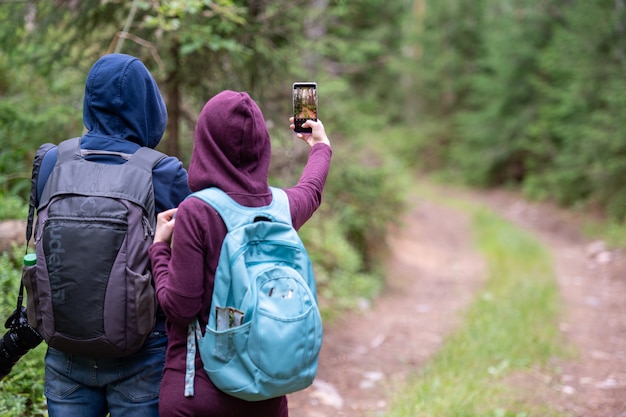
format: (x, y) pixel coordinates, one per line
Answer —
(193, 47)
(196, 48)
(518, 93)
(526, 93)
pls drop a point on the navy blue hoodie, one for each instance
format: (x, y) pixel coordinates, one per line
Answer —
(122, 111)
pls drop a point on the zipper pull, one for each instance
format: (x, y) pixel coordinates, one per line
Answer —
(147, 229)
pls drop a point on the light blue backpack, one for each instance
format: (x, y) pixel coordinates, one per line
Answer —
(264, 332)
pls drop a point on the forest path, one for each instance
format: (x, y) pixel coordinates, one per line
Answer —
(433, 273)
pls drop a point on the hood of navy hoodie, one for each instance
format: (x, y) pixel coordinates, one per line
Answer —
(122, 103)
(232, 149)
(122, 110)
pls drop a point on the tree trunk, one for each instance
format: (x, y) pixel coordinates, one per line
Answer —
(173, 100)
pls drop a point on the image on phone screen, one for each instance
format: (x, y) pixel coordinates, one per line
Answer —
(304, 104)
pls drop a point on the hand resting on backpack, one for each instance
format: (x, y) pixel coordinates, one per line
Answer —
(165, 226)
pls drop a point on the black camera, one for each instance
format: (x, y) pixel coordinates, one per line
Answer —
(19, 339)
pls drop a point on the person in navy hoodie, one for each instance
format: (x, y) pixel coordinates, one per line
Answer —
(122, 111)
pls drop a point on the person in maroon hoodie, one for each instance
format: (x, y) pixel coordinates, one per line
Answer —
(232, 152)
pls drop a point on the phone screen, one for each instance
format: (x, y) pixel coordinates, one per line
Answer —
(304, 104)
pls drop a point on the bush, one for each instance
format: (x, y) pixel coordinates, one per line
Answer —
(12, 207)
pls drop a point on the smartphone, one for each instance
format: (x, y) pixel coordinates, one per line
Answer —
(304, 104)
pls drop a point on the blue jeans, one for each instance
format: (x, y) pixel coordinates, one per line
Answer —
(79, 386)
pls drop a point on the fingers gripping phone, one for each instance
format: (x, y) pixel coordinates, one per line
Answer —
(304, 104)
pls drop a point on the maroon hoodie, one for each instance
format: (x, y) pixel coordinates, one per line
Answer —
(231, 151)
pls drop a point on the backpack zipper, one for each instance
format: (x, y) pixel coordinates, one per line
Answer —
(148, 231)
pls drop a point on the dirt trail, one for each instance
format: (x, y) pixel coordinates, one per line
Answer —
(592, 283)
(433, 274)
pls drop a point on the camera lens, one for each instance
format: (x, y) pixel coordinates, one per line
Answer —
(10, 353)
(17, 341)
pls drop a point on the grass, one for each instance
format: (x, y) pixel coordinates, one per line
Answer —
(510, 328)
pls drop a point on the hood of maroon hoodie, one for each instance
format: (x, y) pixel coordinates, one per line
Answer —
(232, 149)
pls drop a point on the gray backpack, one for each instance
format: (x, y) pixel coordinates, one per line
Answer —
(93, 293)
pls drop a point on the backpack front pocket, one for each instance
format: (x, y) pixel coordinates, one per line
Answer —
(79, 257)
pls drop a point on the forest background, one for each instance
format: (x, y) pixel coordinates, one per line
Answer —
(523, 94)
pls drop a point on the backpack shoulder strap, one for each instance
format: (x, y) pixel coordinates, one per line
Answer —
(131, 181)
(146, 157)
(32, 202)
(281, 205)
(235, 215)
(68, 150)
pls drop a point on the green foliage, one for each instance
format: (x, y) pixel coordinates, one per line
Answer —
(12, 207)
(33, 110)
(584, 84)
(21, 392)
(366, 54)
(495, 147)
(527, 94)
(365, 195)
